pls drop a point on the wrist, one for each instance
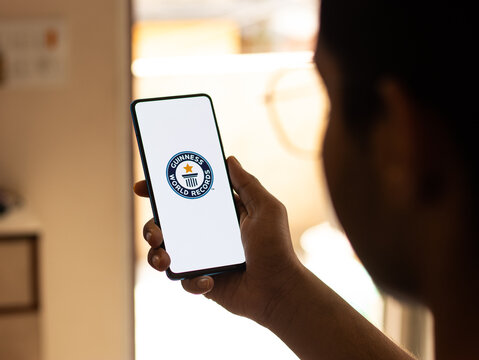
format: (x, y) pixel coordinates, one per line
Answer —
(280, 295)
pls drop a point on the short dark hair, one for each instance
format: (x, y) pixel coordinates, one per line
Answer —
(428, 46)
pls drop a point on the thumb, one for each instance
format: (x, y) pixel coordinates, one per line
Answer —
(249, 189)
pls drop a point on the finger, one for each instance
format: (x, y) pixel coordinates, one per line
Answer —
(241, 210)
(246, 185)
(141, 189)
(159, 259)
(199, 285)
(153, 234)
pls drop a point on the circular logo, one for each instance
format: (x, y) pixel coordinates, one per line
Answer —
(189, 175)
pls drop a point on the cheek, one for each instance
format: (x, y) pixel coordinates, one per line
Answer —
(341, 172)
(347, 178)
(352, 188)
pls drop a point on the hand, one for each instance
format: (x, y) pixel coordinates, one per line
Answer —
(272, 267)
(275, 289)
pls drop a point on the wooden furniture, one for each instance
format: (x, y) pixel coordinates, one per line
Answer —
(19, 287)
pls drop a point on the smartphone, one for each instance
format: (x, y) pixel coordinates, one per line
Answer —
(188, 183)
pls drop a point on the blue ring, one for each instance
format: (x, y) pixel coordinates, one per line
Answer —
(168, 179)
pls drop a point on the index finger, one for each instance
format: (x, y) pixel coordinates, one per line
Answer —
(141, 189)
(249, 189)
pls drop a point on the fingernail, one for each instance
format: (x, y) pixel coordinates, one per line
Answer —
(156, 261)
(203, 283)
(148, 236)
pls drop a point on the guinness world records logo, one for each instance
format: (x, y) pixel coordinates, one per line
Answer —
(189, 175)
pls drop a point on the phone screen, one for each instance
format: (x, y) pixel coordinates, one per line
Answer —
(188, 183)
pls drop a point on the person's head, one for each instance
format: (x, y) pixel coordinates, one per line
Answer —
(399, 152)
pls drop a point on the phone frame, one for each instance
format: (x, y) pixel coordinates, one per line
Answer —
(189, 274)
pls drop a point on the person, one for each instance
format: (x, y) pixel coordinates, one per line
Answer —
(399, 157)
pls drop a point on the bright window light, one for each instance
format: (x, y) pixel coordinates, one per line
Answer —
(218, 64)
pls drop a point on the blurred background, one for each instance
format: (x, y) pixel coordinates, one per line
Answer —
(74, 282)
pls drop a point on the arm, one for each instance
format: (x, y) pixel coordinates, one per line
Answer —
(316, 323)
(276, 290)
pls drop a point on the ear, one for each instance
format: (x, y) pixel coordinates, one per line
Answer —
(412, 149)
(394, 145)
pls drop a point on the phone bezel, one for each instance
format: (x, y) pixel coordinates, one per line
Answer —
(189, 274)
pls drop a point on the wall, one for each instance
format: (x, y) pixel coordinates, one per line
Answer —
(66, 150)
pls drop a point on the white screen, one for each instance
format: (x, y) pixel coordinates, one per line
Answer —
(192, 192)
